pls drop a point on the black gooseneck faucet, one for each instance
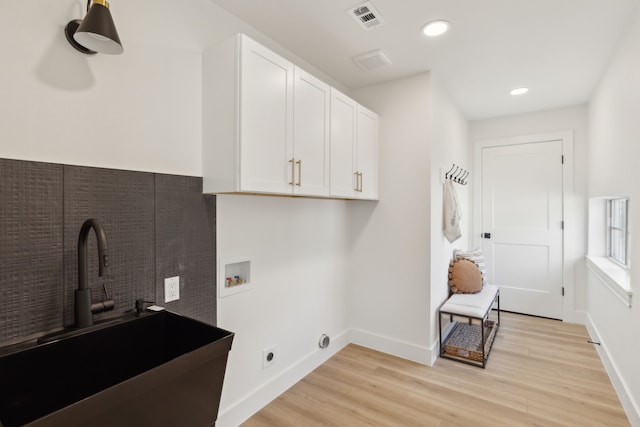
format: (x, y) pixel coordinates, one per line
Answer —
(84, 309)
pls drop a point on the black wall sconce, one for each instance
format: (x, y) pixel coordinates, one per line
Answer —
(96, 33)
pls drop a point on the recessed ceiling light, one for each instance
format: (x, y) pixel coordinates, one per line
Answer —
(435, 28)
(519, 91)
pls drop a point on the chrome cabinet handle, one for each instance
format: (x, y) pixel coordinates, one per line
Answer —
(358, 182)
(299, 163)
(293, 172)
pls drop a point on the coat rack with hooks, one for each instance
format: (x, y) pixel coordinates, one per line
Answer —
(457, 174)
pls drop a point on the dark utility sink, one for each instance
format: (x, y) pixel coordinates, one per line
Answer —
(159, 369)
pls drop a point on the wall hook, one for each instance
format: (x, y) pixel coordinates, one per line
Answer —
(457, 174)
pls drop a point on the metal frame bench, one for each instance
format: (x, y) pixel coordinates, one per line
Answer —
(461, 310)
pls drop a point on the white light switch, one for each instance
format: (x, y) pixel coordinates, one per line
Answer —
(171, 289)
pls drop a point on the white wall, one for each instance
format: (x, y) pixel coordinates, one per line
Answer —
(390, 259)
(614, 130)
(399, 257)
(299, 251)
(450, 145)
(544, 122)
(138, 111)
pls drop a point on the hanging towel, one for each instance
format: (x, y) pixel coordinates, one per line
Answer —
(451, 213)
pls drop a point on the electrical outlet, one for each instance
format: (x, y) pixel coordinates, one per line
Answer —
(268, 357)
(171, 289)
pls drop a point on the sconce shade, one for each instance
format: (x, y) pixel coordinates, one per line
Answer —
(96, 32)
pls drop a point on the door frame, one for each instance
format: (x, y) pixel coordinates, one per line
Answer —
(569, 313)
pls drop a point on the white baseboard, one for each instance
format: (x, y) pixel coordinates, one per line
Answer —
(435, 351)
(406, 350)
(240, 411)
(630, 407)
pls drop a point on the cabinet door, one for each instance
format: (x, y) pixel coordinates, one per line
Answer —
(343, 140)
(310, 135)
(266, 119)
(367, 153)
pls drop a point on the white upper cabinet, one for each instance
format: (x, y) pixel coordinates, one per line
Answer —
(247, 119)
(268, 128)
(266, 119)
(354, 149)
(344, 177)
(367, 153)
(310, 158)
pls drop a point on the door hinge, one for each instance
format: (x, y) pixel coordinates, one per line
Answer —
(563, 291)
(562, 225)
(562, 159)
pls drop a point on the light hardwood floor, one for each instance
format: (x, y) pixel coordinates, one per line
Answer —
(540, 373)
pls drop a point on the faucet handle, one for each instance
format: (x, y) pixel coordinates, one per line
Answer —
(105, 305)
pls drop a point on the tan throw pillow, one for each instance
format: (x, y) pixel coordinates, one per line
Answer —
(476, 256)
(464, 277)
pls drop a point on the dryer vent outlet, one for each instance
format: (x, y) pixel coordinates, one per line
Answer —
(269, 357)
(324, 341)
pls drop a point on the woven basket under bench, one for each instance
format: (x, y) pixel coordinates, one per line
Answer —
(463, 339)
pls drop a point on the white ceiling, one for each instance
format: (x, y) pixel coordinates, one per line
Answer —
(558, 48)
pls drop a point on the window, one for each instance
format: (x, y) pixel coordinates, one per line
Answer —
(617, 230)
(608, 257)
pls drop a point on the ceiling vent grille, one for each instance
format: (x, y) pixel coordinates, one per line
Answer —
(366, 15)
(371, 60)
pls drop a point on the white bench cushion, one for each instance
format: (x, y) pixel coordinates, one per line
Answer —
(471, 305)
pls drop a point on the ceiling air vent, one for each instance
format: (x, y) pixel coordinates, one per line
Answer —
(366, 15)
(370, 60)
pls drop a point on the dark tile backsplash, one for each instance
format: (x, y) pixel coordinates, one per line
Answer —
(31, 251)
(182, 216)
(123, 202)
(157, 226)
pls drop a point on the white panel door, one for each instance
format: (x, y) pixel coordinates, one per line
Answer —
(522, 225)
(367, 153)
(266, 119)
(310, 135)
(343, 144)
